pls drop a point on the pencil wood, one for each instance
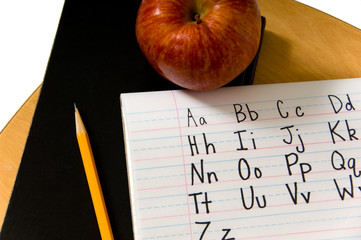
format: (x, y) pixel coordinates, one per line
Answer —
(93, 179)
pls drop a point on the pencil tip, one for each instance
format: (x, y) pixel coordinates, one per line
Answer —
(75, 109)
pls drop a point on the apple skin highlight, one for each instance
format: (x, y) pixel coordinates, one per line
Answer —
(199, 44)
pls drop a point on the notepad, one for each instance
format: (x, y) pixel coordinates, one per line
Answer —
(276, 161)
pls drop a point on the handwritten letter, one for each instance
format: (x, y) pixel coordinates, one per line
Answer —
(280, 161)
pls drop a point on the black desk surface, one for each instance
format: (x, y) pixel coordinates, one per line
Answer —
(95, 57)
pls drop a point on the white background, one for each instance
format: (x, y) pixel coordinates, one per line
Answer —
(27, 31)
(346, 10)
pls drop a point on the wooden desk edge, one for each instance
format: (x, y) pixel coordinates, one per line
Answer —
(12, 142)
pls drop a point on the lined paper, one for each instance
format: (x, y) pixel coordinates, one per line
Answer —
(278, 161)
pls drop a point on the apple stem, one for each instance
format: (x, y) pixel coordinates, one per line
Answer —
(197, 18)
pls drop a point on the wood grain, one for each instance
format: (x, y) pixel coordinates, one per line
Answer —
(303, 44)
(299, 44)
(12, 142)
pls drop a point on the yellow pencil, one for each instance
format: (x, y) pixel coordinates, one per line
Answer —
(93, 179)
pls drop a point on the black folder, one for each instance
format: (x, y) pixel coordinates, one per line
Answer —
(95, 57)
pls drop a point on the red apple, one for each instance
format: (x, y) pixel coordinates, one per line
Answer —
(199, 44)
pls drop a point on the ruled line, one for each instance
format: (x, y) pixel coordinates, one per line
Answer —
(184, 166)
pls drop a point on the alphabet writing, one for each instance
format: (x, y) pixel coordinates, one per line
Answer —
(276, 161)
